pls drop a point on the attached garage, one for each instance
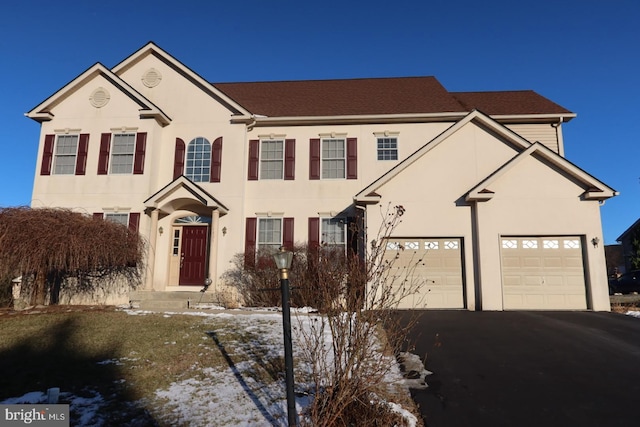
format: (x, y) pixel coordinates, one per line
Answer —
(544, 273)
(434, 263)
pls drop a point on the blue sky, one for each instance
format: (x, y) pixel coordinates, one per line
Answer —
(582, 54)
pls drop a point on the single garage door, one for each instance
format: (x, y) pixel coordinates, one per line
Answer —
(434, 263)
(543, 273)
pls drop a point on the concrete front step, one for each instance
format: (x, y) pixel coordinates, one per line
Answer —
(156, 300)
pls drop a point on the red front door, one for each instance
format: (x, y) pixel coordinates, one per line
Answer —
(193, 259)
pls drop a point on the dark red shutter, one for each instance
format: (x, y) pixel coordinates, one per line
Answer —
(134, 221)
(254, 159)
(47, 155)
(314, 234)
(250, 242)
(81, 159)
(178, 162)
(352, 158)
(103, 159)
(314, 158)
(138, 160)
(98, 215)
(287, 233)
(290, 159)
(216, 160)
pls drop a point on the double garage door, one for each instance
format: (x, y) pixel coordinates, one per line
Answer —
(429, 270)
(543, 273)
(538, 273)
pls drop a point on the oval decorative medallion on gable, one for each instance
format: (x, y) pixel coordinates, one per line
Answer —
(151, 78)
(99, 97)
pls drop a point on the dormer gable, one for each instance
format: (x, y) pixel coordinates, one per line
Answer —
(45, 110)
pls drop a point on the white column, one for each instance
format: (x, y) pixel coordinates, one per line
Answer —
(151, 258)
(213, 248)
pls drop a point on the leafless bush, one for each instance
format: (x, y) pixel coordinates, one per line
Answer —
(355, 295)
(49, 246)
(352, 376)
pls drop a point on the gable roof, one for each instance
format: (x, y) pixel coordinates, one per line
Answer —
(182, 188)
(42, 112)
(368, 194)
(152, 49)
(595, 189)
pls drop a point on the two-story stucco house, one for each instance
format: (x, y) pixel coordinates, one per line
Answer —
(205, 171)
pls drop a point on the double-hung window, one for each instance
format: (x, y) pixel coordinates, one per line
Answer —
(269, 233)
(64, 161)
(271, 159)
(387, 148)
(122, 152)
(333, 233)
(118, 218)
(333, 158)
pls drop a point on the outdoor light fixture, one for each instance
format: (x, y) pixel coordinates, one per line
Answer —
(224, 231)
(283, 260)
(595, 242)
(161, 230)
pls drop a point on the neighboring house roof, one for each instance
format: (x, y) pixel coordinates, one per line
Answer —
(628, 231)
(42, 112)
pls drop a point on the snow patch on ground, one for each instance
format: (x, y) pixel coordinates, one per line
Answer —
(633, 313)
(234, 396)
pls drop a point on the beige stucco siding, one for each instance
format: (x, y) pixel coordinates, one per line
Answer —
(533, 199)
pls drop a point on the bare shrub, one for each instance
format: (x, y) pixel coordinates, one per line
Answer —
(351, 377)
(49, 246)
(355, 295)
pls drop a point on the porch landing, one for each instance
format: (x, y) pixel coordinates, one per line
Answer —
(158, 300)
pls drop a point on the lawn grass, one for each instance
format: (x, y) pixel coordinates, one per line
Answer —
(125, 358)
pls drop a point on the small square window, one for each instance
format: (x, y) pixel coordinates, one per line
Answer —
(387, 148)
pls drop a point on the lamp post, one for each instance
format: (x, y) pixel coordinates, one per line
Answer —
(283, 262)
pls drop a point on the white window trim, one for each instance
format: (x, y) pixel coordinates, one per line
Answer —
(106, 215)
(388, 135)
(344, 231)
(262, 159)
(56, 155)
(260, 245)
(112, 152)
(201, 176)
(343, 138)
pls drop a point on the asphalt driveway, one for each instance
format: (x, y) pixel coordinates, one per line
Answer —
(529, 368)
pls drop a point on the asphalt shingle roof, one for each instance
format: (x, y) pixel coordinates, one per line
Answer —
(404, 95)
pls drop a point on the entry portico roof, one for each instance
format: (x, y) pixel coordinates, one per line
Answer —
(182, 193)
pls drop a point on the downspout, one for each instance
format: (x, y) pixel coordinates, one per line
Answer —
(559, 138)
